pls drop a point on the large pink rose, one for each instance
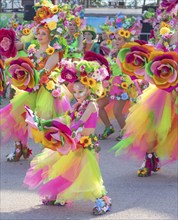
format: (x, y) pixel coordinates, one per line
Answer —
(58, 136)
(7, 43)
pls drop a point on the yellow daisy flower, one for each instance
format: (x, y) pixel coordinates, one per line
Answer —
(76, 35)
(26, 31)
(50, 50)
(86, 141)
(50, 85)
(103, 94)
(55, 9)
(124, 85)
(98, 89)
(91, 82)
(14, 25)
(121, 32)
(109, 41)
(127, 34)
(84, 80)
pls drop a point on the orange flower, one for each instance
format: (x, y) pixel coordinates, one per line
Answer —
(77, 21)
(44, 79)
(55, 9)
(164, 24)
(43, 13)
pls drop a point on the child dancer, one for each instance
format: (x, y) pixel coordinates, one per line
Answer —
(122, 89)
(70, 171)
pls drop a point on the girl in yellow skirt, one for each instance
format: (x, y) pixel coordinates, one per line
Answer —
(68, 168)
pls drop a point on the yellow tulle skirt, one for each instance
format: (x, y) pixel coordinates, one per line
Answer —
(68, 178)
(151, 126)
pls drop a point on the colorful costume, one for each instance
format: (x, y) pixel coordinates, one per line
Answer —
(151, 125)
(14, 113)
(122, 87)
(40, 88)
(72, 47)
(69, 171)
(65, 173)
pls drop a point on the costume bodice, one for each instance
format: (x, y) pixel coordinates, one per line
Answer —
(92, 120)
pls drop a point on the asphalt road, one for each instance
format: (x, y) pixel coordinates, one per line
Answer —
(153, 198)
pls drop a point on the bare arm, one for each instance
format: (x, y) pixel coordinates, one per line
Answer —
(52, 62)
(80, 43)
(91, 108)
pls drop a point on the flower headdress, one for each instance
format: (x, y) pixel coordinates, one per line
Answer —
(128, 27)
(48, 16)
(149, 16)
(167, 17)
(76, 13)
(13, 22)
(167, 13)
(107, 25)
(89, 72)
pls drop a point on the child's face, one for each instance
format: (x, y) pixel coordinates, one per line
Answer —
(80, 91)
(88, 36)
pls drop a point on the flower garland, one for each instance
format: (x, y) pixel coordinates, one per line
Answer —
(50, 82)
(80, 110)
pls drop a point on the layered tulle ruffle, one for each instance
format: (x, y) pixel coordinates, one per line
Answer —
(12, 123)
(151, 126)
(66, 178)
